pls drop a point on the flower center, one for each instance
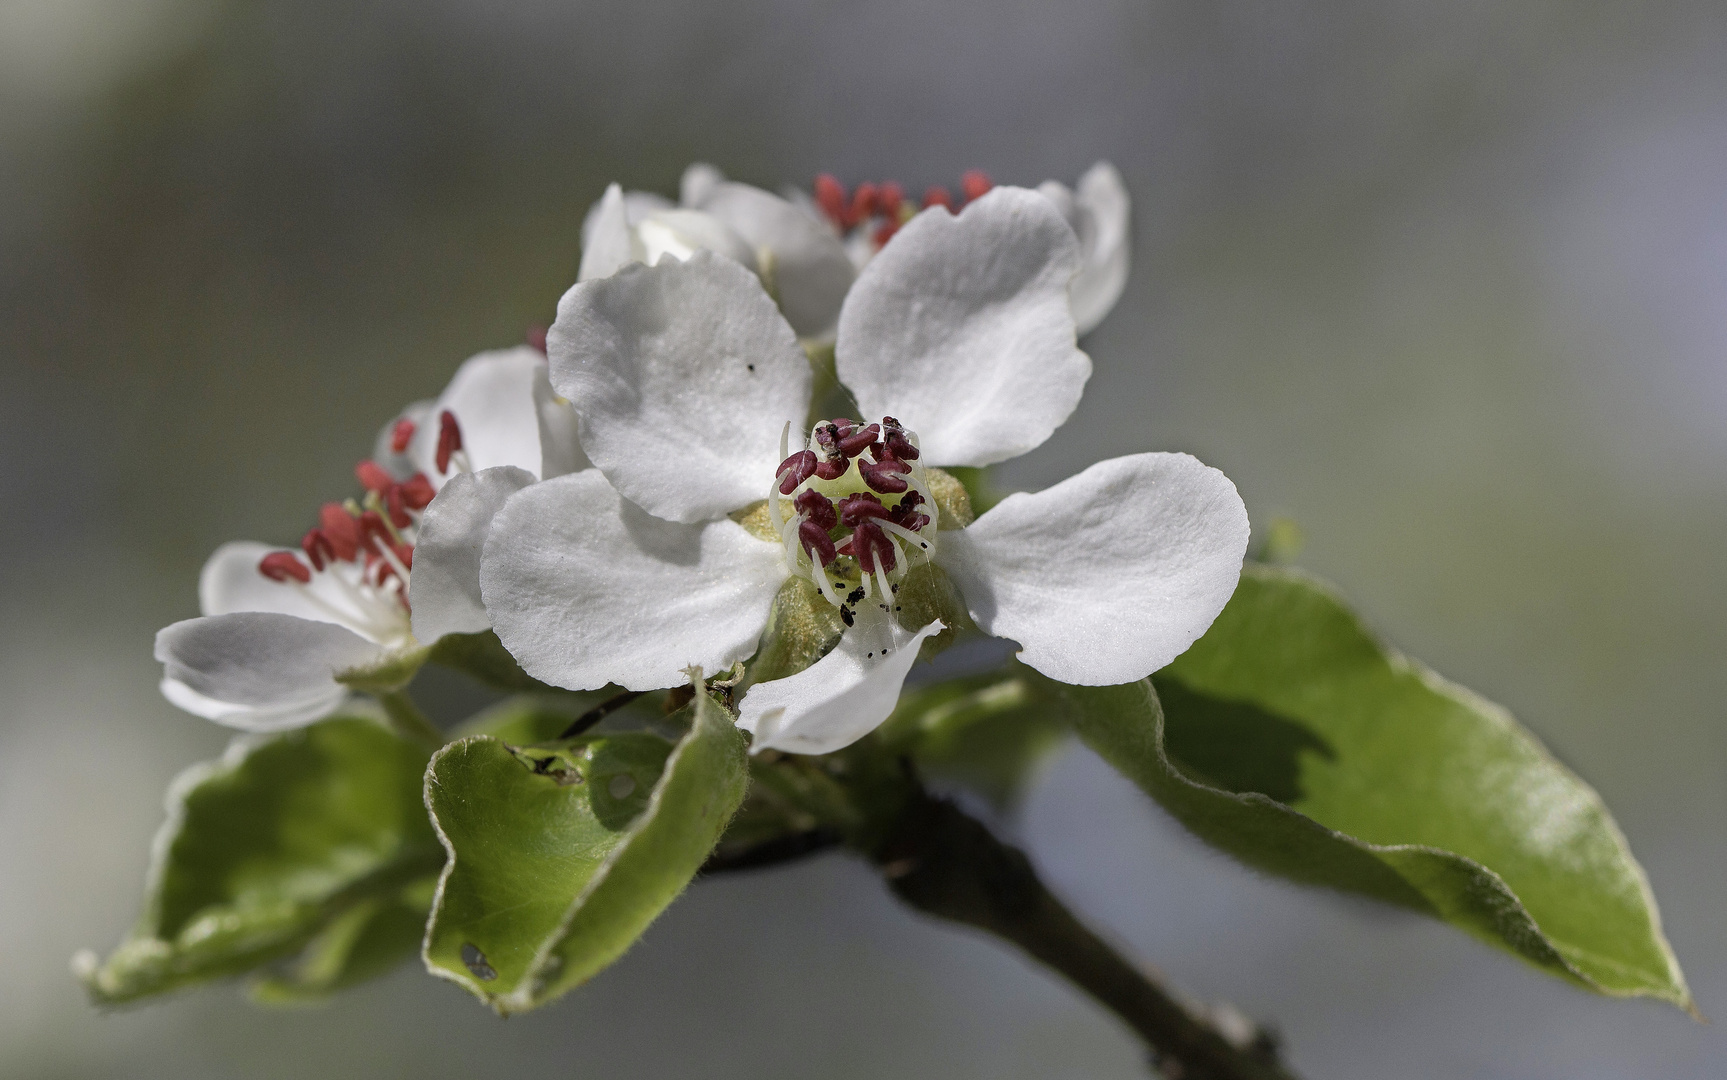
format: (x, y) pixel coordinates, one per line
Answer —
(876, 211)
(361, 551)
(854, 510)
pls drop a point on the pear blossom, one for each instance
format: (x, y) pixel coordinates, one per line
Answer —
(799, 259)
(279, 625)
(1097, 209)
(958, 344)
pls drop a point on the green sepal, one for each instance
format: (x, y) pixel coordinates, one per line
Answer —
(987, 733)
(269, 847)
(561, 855)
(391, 672)
(802, 627)
(1298, 743)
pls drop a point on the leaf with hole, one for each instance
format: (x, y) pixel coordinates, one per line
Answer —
(562, 854)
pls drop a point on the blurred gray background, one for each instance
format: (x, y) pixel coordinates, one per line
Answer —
(1445, 282)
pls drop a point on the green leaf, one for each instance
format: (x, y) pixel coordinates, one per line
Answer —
(367, 940)
(1297, 742)
(983, 732)
(561, 856)
(484, 657)
(268, 848)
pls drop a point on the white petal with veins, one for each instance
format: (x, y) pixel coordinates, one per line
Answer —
(961, 329)
(492, 397)
(586, 589)
(683, 376)
(840, 698)
(260, 663)
(445, 590)
(1109, 575)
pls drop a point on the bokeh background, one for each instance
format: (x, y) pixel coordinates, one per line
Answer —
(1445, 282)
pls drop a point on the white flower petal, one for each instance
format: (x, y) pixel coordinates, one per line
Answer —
(493, 398)
(698, 181)
(586, 589)
(608, 243)
(560, 446)
(249, 717)
(810, 270)
(679, 233)
(960, 328)
(269, 663)
(840, 698)
(1101, 207)
(1109, 575)
(230, 582)
(683, 376)
(444, 590)
(402, 465)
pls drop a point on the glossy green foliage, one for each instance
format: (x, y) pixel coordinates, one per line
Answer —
(561, 855)
(280, 845)
(1298, 743)
(983, 732)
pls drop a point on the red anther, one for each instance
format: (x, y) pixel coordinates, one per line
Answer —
(405, 553)
(340, 528)
(318, 548)
(884, 232)
(975, 184)
(449, 439)
(817, 542)
(938, 196)
(795, 470)
(832, 468)
(892, 195)
(816, 507)
(402, 434)
(831, 197)
(857, 441)
(536, 338)
(872, 549)
(886, 475)
(895, 438)
(398, 510)
(856, 509)
(906, 513)
(863, 205)
(282, 565)
(372, 476)
(417, 491)
(372, 528)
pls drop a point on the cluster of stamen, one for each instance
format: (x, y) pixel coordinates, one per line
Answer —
(852, 508)
(364, 549)
(880, 209)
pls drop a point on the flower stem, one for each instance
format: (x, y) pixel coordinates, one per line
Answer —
(408, 721)
(946, 863)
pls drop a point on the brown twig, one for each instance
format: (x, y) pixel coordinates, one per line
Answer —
(944, 862)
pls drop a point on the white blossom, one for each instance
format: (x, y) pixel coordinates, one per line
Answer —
(799, 259)
(279, 624)
(959, 341)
